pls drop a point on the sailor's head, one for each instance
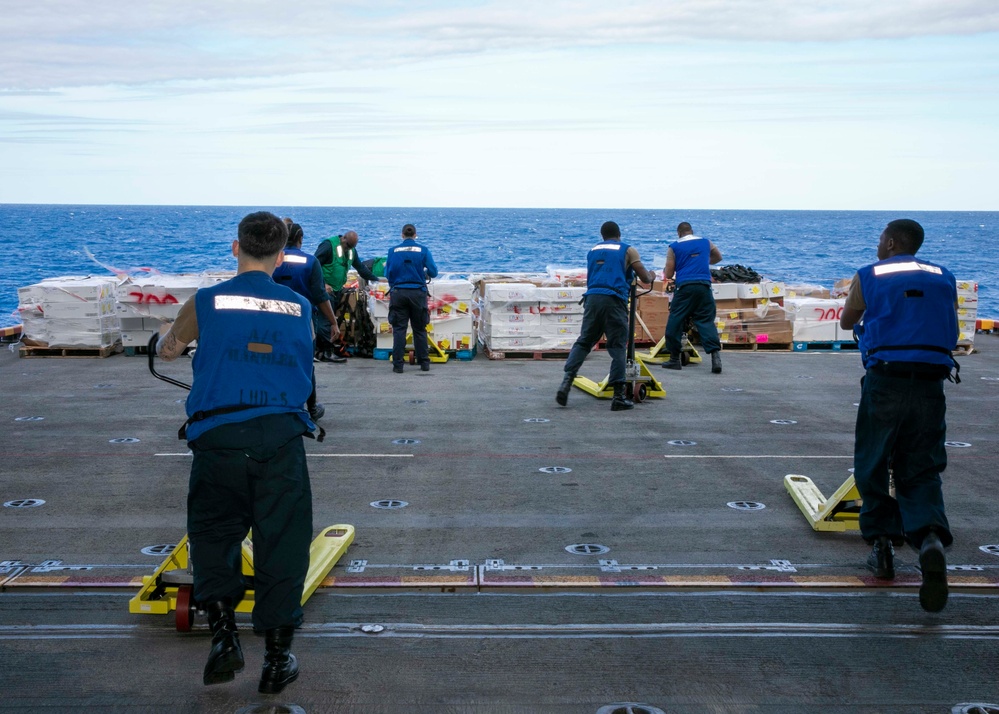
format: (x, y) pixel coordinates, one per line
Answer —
(295, 235)
(610, 231)
(684, 229)
(409, 231)
(349, 239)
(900, 237)
(262, 235)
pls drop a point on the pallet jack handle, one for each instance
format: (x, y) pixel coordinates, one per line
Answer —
(151, 349)
(632, 315)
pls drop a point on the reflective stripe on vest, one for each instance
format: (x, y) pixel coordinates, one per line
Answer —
(242, 302)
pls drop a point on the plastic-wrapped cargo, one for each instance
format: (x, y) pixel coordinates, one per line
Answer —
(70, 312)
(451, 304)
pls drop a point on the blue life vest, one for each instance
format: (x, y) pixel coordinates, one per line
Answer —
(910, 314)
(295, 271)
(692, 256)
(606, 270)
(408, 265)
(254, 350)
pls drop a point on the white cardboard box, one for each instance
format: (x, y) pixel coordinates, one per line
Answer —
(510, 292)
(815, 331)
(725, 291)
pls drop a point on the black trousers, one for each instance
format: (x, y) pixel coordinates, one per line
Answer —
(602, 315)
(901, 425)
(408, 307)
(252, 475)
(696, 301)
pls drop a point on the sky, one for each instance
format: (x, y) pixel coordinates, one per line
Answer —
(688, 104)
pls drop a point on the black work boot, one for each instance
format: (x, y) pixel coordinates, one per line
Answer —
(562, 395)
(674, 362)
(882, 558)
(226, 657)
(620, 402)
(280, 665)
(933, 591)
(715, 363)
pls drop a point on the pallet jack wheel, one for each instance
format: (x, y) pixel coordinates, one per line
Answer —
(684, 359)
(184, 615)
(641, 393)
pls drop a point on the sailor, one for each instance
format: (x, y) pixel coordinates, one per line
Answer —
(904, 313)
(301, 272)
(247, 417)
(687, 262)
(337, 255)
(610, 268)
(408, 267)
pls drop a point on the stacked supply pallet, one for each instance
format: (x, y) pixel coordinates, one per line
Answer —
(816, 322)
(450, 304)
(146, 302)
(69, 313)
(967, 315)
(528, 318)
(752, 315)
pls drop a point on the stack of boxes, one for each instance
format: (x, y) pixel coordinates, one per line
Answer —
(450, 303)
(526, 317)
(817, 319)
(653, 313)
(144, 303)
(751, 313)
(69, 312)
(967, 314)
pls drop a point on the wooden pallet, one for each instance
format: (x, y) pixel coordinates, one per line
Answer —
(73, 352)
(757, 347)
(382, 353)
(848, 345)
(527, 354)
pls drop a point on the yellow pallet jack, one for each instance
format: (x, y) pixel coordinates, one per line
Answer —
(658, 353)
(840, 512)
(171, 586)
(436, 354)
(640, 383)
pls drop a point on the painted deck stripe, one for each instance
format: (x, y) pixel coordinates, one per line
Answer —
(548, 631)
(327, 456)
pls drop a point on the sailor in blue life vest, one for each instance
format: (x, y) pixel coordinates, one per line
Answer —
(610, 267)
(407, 267)
(247, 417)
(301, 272)
(687, 262)
(904, 313)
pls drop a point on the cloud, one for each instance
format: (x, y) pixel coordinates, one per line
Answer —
(79, 42)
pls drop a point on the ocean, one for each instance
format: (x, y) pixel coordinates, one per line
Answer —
(817, 247)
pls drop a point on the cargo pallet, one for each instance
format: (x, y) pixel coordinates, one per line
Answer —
(757, 346)
(463, 355)
(527, 354)
(827, 346)
(74, 352)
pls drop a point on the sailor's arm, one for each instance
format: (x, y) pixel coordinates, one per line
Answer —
(855, 306)
(715, 255)
(176, 336)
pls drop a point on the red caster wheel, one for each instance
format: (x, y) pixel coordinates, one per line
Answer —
(184, 615)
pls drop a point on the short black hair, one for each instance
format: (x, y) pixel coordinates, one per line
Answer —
(409, 231)
(262, 234)
(610, 229)
(906, 233)
(295, 234)
(684, 227)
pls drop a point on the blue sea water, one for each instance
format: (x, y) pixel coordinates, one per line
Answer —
(41, 241)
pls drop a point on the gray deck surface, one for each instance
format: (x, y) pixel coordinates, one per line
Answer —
(729, 627)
